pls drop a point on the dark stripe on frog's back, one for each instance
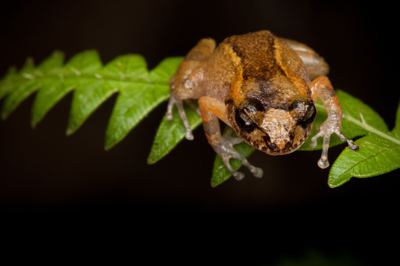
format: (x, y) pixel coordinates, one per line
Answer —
(257, 54)
(266, 60)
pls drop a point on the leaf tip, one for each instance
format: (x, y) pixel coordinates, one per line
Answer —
(110, 140)
(333, 184)
(337, 181)
(219, 177)
(154, 156)
(4, 115)
(150, 160)
(217, 181)
(213, 183)
(36, 119)
(70, 131)
(34, 123)
(109, 145)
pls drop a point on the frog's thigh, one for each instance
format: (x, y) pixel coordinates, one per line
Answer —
(314, 63)
(211, 109)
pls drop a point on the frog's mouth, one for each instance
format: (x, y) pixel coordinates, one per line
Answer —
(273, 131)
(280, 142)
(284, 148)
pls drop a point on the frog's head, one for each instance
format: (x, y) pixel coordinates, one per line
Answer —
(273, 129)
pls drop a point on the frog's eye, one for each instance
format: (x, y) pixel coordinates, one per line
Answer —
(298, 106)
(243, 121)
(308, 116)
(305, 112)
(254, 105)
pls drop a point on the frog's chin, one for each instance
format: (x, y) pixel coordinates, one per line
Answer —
(283, 152)
(299, 137)
(260, 140)
(278, 152)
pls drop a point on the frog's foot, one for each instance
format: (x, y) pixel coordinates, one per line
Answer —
(227, 152)
(329, 127)
(231, 137)
(179, 106)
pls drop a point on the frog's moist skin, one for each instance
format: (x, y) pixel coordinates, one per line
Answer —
(264, 88)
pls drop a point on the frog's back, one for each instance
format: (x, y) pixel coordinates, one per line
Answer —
(257, 54)
(266, 59)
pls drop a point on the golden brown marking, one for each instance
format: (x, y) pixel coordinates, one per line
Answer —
(292, 66)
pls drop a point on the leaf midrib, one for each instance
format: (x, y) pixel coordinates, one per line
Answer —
(86, 77)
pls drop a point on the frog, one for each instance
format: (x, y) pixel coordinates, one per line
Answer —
(263, 88)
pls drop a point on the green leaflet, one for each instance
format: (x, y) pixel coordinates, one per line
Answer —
(88, 96)
(87, 62)
(17, 96)
(137, 100)
(114, 77)
(129, 110)
(220, 174)
(379, 153)
(54, 61)
(140, 90)
(15, 89)
(376, 156)
(49, 94)
(170, 133)
(54, 88)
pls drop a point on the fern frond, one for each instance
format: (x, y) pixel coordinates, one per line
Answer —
(140, 90)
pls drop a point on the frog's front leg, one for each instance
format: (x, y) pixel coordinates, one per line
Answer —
(175, 101)
(321, 88)
(211, 109)
(184, 84)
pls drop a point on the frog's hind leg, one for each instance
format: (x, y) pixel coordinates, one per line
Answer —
(183, 83)
(212, 109)
(315, 65)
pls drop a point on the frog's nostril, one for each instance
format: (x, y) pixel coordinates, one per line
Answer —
(272, 146)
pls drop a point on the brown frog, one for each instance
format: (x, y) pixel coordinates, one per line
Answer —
(264, 88)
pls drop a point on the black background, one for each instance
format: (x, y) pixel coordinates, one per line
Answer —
(68, 188)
